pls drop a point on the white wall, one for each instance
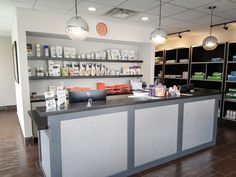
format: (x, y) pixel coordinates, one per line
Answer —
(27, 20)
(196, 38)
(7, 86)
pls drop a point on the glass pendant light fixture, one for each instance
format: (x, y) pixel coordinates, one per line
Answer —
(159, 36)
(76, 27)
(210, 42)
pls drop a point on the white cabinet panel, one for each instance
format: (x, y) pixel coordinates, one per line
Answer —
(155, 133)
(198, 123)
(94, 146)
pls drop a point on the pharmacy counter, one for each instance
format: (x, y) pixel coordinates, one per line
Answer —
(124, 136)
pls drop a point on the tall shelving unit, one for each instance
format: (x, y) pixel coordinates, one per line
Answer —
(159, 67)
(172, 72)
(229, 103)
(201, 61)
(176, 68)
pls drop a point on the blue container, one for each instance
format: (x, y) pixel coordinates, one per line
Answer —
(231, 78)
(217, 59)
(234, 58)
(233, 73)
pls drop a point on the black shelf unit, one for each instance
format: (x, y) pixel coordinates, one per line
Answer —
(229, 103)
(159, 67)
(201, 62)
(80, 77)
(34, 58)
(176, 68)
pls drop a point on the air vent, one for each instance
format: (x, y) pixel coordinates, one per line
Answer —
(120, 13)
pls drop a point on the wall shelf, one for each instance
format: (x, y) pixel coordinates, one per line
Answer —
(176, 78)
(79, 77)
(230, 81)
(84, 60)
(226, 118)
(207, 62)
(206, 80)
(230, 100)
(176, 64)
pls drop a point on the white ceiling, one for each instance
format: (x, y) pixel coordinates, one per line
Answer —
(177, 14)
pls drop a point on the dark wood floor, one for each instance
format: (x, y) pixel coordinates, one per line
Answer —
(20, 160)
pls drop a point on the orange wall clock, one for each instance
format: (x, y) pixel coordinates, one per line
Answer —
(101, 29)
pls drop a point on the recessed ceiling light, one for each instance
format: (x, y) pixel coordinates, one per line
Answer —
(145, 18)
(92, 9)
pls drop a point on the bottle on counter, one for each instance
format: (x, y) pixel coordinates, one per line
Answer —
(151, 90)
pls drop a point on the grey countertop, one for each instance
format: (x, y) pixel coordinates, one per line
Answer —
(79, 107)
(40, 115)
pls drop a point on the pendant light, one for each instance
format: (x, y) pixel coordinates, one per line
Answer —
(76, 27)
(159, 36)
(210, 42)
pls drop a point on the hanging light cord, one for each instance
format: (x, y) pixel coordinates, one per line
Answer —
(160, 16)
(75, 7)
(212, 7)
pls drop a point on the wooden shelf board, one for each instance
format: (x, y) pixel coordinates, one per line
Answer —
(175, 78)
(226, 118)
(80, 77)
(207, 62)
(230, 81)
(230, 100)
(84, 60)
(206, 80)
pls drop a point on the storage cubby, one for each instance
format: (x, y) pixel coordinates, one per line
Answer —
(232, 51)
(199, 54)
(171, 54)
(183, 53)
(176, 62)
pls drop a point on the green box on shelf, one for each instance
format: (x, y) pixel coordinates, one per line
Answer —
(214, 78)
(217, 74)
(199, 74)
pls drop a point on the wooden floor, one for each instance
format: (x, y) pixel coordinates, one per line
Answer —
(20, 160)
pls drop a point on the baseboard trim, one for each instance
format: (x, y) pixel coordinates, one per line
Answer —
(29, 140)
(8, 108)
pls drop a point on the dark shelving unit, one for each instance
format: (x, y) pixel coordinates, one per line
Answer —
(229, 103)
(159, 67)
(201, 62)
(176, 68)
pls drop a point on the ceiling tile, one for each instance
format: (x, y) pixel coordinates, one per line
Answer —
(206, 20)
(22, 3)
(139, 5)
(183, 25)
(168, 21)
(108, 2)
(222, 5)
(167, 10)
(138, 17)
(187, 15)
(101, 9)
(58, 4)
(229, 14)
(51, 10)
(192, 3)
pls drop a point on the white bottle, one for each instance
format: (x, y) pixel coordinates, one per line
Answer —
(38, 50)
